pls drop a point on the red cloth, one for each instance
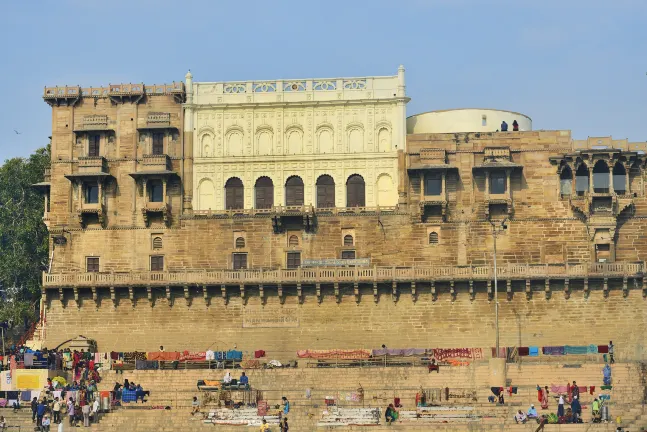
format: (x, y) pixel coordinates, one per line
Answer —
(603, 349)
(539, 395)
(523, 351)
(164, 356)
(259, 354)
(591, 389)
(396, 402)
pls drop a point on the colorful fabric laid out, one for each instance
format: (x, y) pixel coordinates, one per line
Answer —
(234, 355)
(113, 355)
(163, 356)
(250, 364)
(335, 354)
(454, 362)
(259, 354)
(503, 353)
(29, 360)
(496, 390)
(606, 387)
(193, 356)
(603, 349)
(221, 355)
(400, 352)
(212, 383)
(605, 397)
(512, 390)
(128, 396)
(575, 350)
(3, 403)
(465, 353)
(134, 355)
(524, 351)
(591, 390)
(146, 364)
(533, 351)
(25, 395)
(591, 349)
(553, 350)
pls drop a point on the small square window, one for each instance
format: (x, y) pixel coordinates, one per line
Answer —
(484, 120)
(240, 261)
(348, 255)
(293, 260)
(348, 240)
(155, 191)
(92, 264)
(157, 263)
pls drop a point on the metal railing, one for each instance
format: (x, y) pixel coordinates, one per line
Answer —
(344, 274)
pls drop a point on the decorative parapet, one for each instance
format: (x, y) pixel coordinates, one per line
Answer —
(92, 164)
(365, 275)
(116, 92)
(296, 210)
(156, 162)
(155, 207)
(158, 118)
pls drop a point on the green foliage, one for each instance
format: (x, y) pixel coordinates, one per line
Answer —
(23, 236)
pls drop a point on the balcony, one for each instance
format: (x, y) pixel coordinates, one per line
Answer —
(156, 208)
(601, 204)
(366, 275)
(158, 121)
(92, 164)
(55, 96)
(88, 210)
(94, 123)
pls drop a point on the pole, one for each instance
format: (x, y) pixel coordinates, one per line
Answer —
(3, 350)
(496, 295)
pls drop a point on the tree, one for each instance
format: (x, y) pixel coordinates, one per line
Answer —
(23, 235)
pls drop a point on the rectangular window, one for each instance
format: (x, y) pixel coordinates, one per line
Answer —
(91, 193)
(565, 186)
(93, 147)
(158, 143)
(92, 264)
(157, 263)
(240, 261)
(433, 184)
(348, 255)
(581, 184)
(498, 182)
(484, 120)
(155, 191)
(294, 260)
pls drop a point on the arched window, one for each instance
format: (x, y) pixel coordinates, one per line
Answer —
(240, 242)
(264, 191)
(582, 180)
(498, 182)
(325, 192)
(619, 179)
(566, 181)
(234, 194)
(157, 243)
(293, 241)
(348, 240)
(601, 177)
(355, 191)
(433, 238)
(294, 191)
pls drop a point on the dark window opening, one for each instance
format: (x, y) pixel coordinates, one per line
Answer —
(155, 191)
(582, 180)
(94, 145)
(157, 263)
(619, 179)
(158, 143)
(157, 243)
(433, 238)
(498, 182)
(325, 192)
(565, 181)
(92, 193)
(433, 184)
(240, 243)
(293, 241)
(92, 264)
(601, 181)
(348, 255)
(348, 240)
(240, 261)
(264, 190)
(293, 260)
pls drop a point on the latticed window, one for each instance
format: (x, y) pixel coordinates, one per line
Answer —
(93, 146)
(92, 264)
(157, 263)
(433, 238)
(348, 240)
(240, 261)
(240, 242)
(293, 241)
(158, 143)
(348, 255)
(293, 260)
(157, 243)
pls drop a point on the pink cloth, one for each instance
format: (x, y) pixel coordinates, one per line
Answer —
(193, 356)
(465, 353)
(558, 389)
(335, 354)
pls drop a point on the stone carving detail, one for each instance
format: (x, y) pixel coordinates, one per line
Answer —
(264, 87)
(354, 84)
(234, 88)
(324, 85)
(293, 86)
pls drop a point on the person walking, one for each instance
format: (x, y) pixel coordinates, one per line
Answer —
(34, 407)
(70, 412)
(611, 359)
(284, 425)
(56, 410)
(86, 415)
(560, 406)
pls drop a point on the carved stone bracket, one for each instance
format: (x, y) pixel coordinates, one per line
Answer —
(490, 292)
(187, 295)
(299, 294)
(472, 293)
(434, 294)
(605, 288)
(508, 289)
(643, 287)
(76, 297)
(414, 296)
(205, 295)
(394, 291)
(356, 292)
(60, 296)
(95, 297)
(452, 290)
(223, 293)
(337, 292)
(376, 295)
(131, 296)
(244, 297)
(528, 290)
(169, 299)
(149, 295)
(547, 291)
(586, 288)
(281, 295)
(113, 296)
(318, 292)
(625, 288)
(567, 289)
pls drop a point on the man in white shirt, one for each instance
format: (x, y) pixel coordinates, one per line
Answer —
(560, 406)
(227, 379)
(520, 417)
(95, 411)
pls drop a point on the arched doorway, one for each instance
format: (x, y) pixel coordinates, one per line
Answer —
(325, 192)
(355, 191)
(234, 194)
(294, 191)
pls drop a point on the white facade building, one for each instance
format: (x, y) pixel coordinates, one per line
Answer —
(320, 142)
(466, 120)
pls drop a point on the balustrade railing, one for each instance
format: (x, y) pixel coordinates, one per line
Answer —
(346, 274)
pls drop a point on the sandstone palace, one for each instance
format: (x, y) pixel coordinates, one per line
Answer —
(317, 214)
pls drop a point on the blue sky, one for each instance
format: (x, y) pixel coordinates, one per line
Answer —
(568, 64)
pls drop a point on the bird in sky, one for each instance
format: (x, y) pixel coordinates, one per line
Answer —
(17, 133)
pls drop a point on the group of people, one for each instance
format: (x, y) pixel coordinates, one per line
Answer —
(283, 425)
(504, 126)
(136, 389)
(48, 411)
(241, 383)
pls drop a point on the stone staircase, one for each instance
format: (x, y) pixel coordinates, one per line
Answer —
(467, 409)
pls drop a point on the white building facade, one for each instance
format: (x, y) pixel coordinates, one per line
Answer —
(319, 142)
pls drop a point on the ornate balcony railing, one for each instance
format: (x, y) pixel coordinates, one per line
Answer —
(346, 274)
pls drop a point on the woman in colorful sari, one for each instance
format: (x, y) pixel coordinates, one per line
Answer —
(544, 398)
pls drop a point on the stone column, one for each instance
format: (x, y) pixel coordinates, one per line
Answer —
(187, 147)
